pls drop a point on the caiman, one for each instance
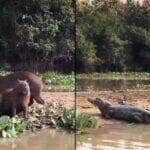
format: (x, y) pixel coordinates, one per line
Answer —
(124, 112)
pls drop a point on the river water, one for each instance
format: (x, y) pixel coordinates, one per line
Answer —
(98, 85)
(48, 139)
(116, 137)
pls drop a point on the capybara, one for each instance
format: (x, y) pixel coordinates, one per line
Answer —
(15, 100)
(35, 84)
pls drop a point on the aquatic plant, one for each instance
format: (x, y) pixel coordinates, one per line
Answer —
(63, 117)
(85, 121)
(51, 115)
(60, 82)
(3, 72)
(10, 127)
(115, 76)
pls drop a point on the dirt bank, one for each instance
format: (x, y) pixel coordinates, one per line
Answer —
(138, 98)
(67, 98)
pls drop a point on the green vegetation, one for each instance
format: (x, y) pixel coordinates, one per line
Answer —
(41, 38)
(59, 82)
(10, 127)
(4, 73)
(113, 81)
(54, 115)
(115, 76)
(113, 36)
(84, 122)
(49, 116)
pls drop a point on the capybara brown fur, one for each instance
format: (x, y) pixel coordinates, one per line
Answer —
(15, 100)
(35, 84)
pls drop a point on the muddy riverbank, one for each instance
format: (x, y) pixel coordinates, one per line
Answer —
(67, 98)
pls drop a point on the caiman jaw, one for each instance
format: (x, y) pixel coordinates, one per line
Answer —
(90, 100)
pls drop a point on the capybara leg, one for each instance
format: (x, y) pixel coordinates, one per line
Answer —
(25, 111)
(13, 112)
(39, 100)
(31, 102)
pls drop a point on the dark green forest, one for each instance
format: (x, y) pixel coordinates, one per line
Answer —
(37, 35)
(112, 36)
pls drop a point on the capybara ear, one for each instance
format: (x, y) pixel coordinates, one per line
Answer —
(18, 81)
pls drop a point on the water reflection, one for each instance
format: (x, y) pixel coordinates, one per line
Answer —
(44, 140)
(116, 137)
(98, 85)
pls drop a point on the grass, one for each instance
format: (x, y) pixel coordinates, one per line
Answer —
(115, 76)
(58, 81)
(55, 81)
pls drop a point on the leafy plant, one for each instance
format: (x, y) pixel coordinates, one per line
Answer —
(85, 121)
(62, 117)
(10, 127)
(52, 115)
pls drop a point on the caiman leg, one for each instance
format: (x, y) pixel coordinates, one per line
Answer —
(108, 115)
(31, 101)
(138, 117)
(147, 118)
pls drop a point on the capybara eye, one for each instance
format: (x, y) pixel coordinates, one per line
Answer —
(24, 92)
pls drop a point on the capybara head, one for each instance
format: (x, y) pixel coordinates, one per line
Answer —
(22, 88)
(16, 99)
(100, 103)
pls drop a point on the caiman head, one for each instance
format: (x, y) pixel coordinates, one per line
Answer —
(100, 103)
